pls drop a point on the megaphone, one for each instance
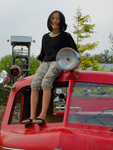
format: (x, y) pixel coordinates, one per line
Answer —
(68, 59)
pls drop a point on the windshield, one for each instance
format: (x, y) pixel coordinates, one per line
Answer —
(91, 104)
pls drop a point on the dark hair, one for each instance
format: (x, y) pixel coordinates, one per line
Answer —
(63, 25)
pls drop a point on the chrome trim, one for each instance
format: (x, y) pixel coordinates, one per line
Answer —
(9, 87)
(7, 148)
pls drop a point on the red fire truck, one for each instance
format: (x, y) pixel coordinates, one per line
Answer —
(80, 115)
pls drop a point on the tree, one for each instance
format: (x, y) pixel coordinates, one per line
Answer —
(34, 64)
(83, 30)
(111, 41)
(107, 55)
(5, 64)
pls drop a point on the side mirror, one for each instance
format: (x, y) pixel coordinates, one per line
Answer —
(4, 79)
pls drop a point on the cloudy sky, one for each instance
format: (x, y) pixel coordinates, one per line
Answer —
(29, 18)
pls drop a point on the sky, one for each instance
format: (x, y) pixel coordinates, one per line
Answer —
(29, 18)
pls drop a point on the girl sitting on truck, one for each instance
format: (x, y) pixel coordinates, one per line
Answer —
(48, 70)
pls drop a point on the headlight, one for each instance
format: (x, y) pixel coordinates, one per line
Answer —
(68, 59)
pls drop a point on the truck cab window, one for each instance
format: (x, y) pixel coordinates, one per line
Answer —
(21, 107)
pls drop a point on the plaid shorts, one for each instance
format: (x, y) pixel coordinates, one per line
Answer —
(45, 76)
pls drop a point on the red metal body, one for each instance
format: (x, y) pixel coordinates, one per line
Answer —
(63, 135)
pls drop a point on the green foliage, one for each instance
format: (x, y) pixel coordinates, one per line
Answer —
(107, 55)
(104, 57)
(83, 47)
(83, 30)
(34, 64)
(5, 64)
(3, 96)
(111, 70)
(90, 62)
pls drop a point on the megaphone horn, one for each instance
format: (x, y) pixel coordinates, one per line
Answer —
(68, 59)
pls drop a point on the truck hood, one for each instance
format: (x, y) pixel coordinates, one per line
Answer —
(59, 139)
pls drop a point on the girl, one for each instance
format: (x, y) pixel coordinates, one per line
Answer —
(48, 70)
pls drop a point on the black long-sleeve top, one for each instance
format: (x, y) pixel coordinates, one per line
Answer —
(51, 45)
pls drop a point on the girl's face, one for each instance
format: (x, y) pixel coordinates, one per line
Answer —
(55, 22)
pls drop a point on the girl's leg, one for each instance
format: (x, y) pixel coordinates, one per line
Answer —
(47, 82)
(36, 86)
(34, 102)
(45, 103)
